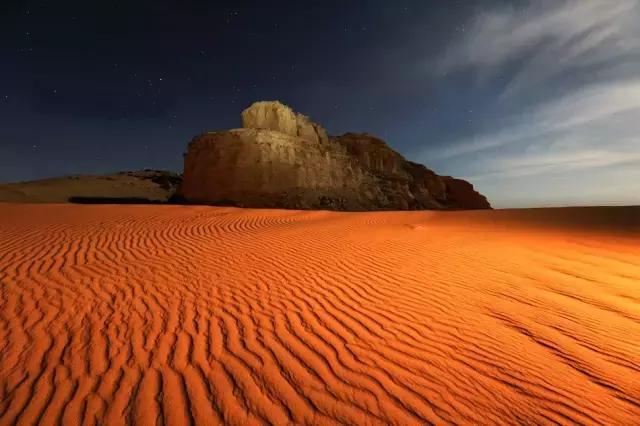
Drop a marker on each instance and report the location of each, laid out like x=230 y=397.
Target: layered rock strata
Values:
x=281 y=159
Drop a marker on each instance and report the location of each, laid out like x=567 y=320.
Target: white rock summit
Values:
x=273 y=115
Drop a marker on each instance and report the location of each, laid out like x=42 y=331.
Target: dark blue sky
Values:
x=538 y=103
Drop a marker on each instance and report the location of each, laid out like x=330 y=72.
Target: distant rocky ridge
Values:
x=282 y=159
x=144 y=186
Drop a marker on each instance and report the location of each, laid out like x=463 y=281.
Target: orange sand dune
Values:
x=178 y=315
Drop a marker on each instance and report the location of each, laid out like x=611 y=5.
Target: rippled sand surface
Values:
x=203 y=315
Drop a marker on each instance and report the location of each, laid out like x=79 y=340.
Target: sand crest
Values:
x=202 y=315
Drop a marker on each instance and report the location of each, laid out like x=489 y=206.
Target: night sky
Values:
x=537 y=103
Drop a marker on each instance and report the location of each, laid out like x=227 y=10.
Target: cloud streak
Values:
x=571 y=100
x=550 y=38
x=579 y=114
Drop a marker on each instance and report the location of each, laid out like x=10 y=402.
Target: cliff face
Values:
x=281 y=159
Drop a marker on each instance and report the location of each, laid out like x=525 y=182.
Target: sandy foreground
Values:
x=203 y=315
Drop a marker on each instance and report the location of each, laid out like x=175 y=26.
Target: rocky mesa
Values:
x=282 y=159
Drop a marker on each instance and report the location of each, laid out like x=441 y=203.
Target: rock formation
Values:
x=281 y=118
x=282 y=159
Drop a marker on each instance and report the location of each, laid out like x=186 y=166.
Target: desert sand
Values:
x=115 y=314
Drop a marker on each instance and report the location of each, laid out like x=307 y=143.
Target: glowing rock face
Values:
x=282 y=159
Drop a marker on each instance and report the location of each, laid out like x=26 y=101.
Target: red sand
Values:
x=178 y=315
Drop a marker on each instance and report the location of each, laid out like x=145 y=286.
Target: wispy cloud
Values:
x=556 y=162
x=571 y=100
x=580 y=113
x=550 y=37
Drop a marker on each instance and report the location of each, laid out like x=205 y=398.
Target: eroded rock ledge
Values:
x=281 y=159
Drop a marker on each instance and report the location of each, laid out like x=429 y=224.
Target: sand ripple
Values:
x=199 y=315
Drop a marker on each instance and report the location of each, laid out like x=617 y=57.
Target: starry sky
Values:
x=537 y=103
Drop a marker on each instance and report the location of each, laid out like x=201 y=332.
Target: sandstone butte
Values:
x=281 y=159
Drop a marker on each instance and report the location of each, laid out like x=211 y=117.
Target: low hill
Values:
x=139 y=186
